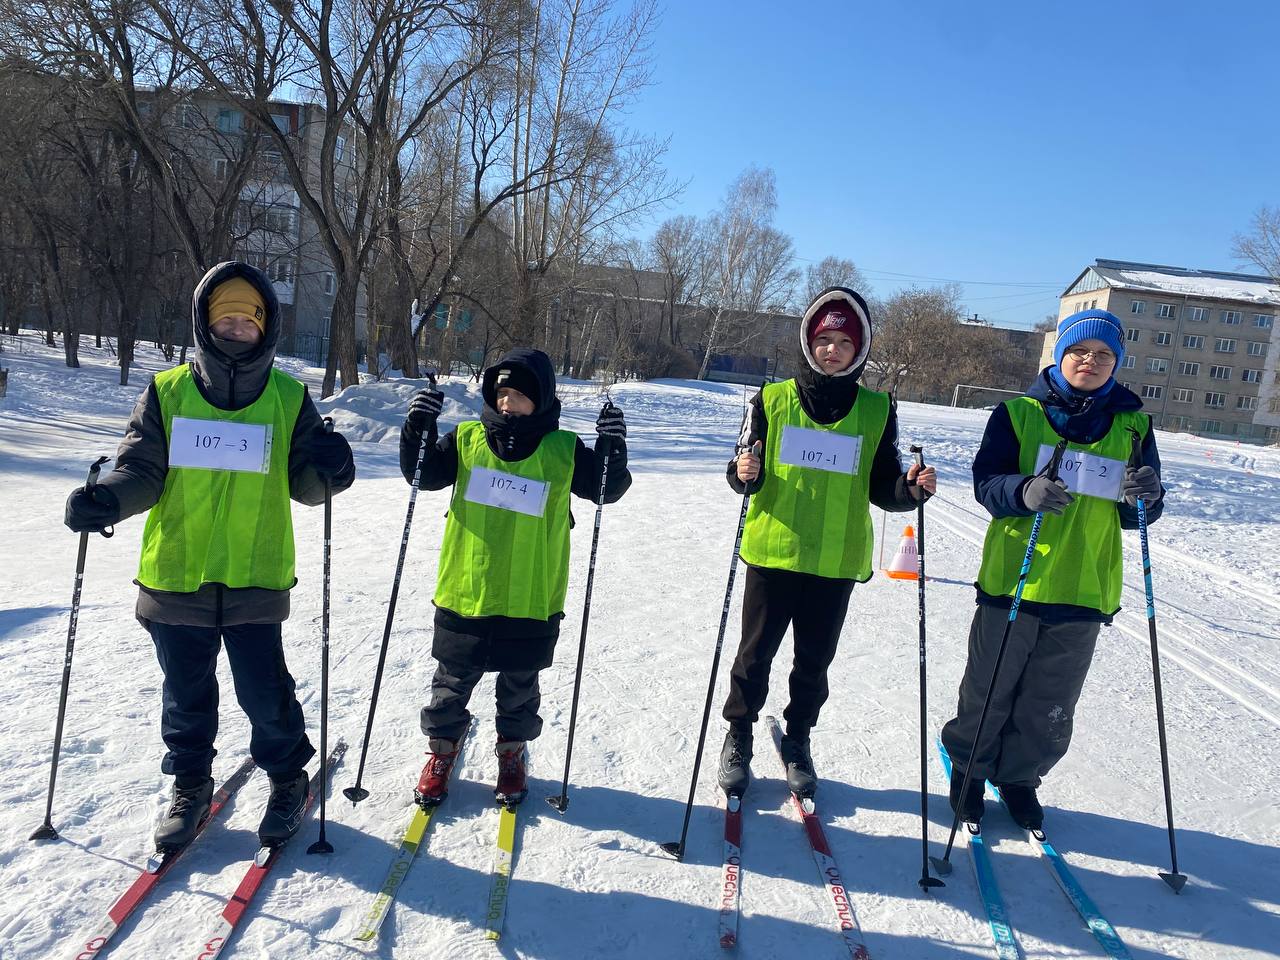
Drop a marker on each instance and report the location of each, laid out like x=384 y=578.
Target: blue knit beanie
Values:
x=1090 y=325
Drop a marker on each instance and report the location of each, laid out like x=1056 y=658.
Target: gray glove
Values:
x=424 y=409
x=1143 y=482
x=1046 y=496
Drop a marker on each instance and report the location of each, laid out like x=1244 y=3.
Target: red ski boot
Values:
x=433 y=785
x=512 y=786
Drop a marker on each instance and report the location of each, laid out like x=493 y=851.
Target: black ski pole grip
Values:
x=1135 y=450
x=91 y=482
x=1055 y=461
x=919 y=452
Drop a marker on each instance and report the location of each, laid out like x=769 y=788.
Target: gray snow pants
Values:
x=518 y=697
x=1028 y=727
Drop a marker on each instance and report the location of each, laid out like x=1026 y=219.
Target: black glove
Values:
x=424 y=409
x=92 y=510
x=1046 y=496
x=1142 y=482
x=330 y=454
x=611 y=423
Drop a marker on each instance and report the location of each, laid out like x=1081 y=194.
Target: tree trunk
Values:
x=712 y=335
x=341 y=361
x=126 y=330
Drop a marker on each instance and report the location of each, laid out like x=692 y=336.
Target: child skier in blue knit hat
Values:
x=1075 y=578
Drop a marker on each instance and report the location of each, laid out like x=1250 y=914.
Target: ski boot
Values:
x=192 y=797
x=285 y=807
x=433 y=784
x=801 y=779
x=1023 y=805
x=512 y=784
x=973 y=807
x=734 y=773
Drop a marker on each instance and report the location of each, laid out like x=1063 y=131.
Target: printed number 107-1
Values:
x=815 y=456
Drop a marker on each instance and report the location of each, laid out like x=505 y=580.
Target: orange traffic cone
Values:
x=905 y=564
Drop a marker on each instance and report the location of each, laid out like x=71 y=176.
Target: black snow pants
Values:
x=264 y=688
x=518 y=698
x=814 y=607
x=1028 y=726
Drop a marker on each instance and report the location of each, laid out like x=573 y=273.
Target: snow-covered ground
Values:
x=593 y=883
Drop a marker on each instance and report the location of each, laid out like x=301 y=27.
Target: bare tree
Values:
x=748 y=261
x=1261 y=245
x=677 y=249
x=832 y=271
x=913 y=338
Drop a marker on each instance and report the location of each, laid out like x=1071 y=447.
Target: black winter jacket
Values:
x=508 y=643
x=143 y=457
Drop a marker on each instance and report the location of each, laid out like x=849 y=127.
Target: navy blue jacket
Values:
x=998 y=480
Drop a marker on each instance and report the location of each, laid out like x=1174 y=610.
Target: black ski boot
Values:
x=191 y=799
x=801 y=779
x=285 y=806
x=972 y=808
x=1023 y=805
x=735 y=763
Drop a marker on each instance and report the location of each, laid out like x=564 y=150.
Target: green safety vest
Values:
x=223 y=526
x=811 y=520
x=1078 y=558
x=496 y=561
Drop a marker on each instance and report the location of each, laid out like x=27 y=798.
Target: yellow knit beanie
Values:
x=237 y=295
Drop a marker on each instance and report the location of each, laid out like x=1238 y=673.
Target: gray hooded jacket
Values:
x=231 y=383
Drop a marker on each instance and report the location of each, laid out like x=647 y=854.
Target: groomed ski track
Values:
x=658 y=588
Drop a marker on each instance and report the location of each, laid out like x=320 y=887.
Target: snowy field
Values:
x=593 y=883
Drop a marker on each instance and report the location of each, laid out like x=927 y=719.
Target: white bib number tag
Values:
x=820 y=450
x=220 y=445
x=506 y=491
x=1086 y=473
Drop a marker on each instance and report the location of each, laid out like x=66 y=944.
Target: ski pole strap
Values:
x=91 y=481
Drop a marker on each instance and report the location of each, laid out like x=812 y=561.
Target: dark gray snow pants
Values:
x=1028 y=727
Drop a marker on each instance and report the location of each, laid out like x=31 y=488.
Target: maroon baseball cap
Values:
x=835 y=316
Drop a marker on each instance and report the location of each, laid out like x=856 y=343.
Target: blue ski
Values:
x=997 y=916
x=1098 y=925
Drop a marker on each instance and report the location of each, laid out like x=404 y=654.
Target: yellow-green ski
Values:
x=501 y=877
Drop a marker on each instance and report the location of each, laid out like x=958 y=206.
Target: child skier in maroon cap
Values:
x=814 y=453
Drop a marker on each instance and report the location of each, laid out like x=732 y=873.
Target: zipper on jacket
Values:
x=233 y=386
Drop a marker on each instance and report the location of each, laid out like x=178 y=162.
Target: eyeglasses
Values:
x=1103 y=358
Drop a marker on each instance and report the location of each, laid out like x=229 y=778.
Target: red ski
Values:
x=93 y=944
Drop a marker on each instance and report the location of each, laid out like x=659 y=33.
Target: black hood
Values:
x=233 y=382
x=537 y=365
x=516 y=438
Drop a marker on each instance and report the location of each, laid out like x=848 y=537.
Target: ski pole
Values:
x=46 y=831
x=925 y=881
x=322 y=845
x=1173 y=878
x=561 y=803
x=357 y=793
x=943 y=864
x=677 y=849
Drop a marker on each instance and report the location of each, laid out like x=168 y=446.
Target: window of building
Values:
x=330 y=284
x=1166 y=311
x=1157 y=365
x=1273 y=433
x=1177 y=423
x=1246 y=403
x=1219 y=373
x=1137 y=306
x=280 y=220
x=1257 y=348
x=1093 y=304
x=1263 y=320
x=1192 y=343
x=281 y=271
x=1215 y=399
x=220 y=168
x=1231 y=317
x=1133 y=335
x=1210 y=426
x=1198 y=314
x=1126 y=384
x=230 y=121
x=1128 y=362
x=1163 y=338
x=189 y=116
x=1152 y=391
x=1186 y=369
x=1224 y=346
x=281 y=120
x=339 y=148
x=1183 y=395
x=1251 y=376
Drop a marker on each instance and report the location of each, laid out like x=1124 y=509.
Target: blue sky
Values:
x=1008 y=142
